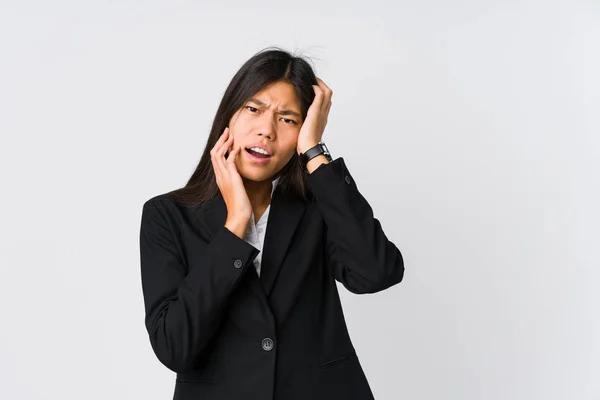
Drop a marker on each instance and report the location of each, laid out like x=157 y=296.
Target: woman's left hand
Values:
x=313 y=126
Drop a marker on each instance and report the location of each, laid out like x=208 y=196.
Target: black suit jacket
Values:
x=230 y=334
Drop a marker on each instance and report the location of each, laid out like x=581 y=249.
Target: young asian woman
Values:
x=239 y=267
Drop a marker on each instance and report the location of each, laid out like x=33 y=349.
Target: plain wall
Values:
x=471 y=127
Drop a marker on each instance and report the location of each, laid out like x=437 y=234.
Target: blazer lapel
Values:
x=284 y=217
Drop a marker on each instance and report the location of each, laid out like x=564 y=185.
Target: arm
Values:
x=359 y=253
x=184 y=304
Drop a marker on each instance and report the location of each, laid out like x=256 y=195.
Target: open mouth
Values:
x=257 y=154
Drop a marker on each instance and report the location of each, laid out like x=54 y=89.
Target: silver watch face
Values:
x=325 y=149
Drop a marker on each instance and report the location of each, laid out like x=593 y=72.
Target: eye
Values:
x=289 y=121
x=251 y=108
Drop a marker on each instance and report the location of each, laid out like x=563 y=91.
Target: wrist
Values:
x=315 y=162
x=305 y=147
x=312 y=157
x=237 y=225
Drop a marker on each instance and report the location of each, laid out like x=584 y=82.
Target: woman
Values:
x=239 y=267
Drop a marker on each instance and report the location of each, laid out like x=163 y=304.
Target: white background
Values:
x=471 y=127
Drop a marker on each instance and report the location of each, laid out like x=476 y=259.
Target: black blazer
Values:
x=230 y=334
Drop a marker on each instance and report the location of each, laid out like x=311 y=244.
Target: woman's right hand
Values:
x=239 y=208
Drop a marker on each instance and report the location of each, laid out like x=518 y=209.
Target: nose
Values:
x=267 y=126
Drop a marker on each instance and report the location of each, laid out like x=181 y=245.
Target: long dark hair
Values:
x=268 y=66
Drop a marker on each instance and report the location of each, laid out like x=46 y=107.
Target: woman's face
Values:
x=271 y=118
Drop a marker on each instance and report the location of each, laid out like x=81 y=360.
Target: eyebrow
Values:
x=282 y=112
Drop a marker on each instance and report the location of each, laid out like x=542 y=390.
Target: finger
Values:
x=224 y=136
x=220 y=154
x=226 y=147
x=327 y=94
x=217 y=154
x=223 y=147
x=318 y=100
x=321 y=104
x=324 y=86
x=230 y=162
x=221 y=139
x=229 y=157
x=217 y=170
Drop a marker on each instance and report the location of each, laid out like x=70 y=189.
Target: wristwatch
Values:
x=314 y=151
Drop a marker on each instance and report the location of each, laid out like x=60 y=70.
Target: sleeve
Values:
x=359 y=253
x=185 y=304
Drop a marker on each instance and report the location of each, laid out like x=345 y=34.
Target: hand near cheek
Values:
x=313 y=127
x=229 y=181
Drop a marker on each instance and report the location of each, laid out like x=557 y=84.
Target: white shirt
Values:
x=255 y=233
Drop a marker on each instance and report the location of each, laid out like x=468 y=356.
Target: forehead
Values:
x=280 y=94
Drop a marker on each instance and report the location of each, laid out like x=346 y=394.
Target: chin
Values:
x=256 y=176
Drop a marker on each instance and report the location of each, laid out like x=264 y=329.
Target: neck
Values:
x=259 y=193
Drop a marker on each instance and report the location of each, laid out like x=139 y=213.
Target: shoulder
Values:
x=166 y=205
x=161 y=200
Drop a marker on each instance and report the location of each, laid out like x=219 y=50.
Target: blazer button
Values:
x=347 y=179
x=267 y=344
x=238 y=263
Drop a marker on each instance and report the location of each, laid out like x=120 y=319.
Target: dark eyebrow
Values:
x=282 y=112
